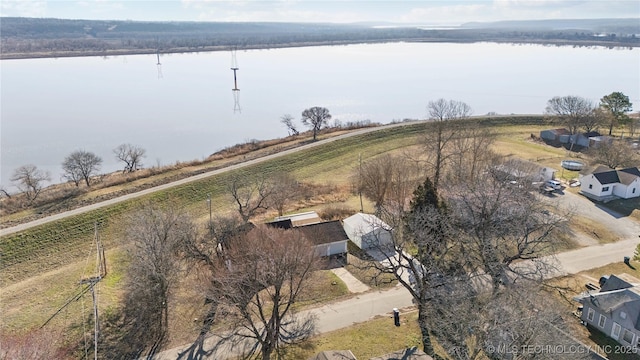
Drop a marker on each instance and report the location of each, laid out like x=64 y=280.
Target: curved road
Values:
x=113 y=201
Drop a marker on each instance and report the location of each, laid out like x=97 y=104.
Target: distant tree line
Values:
x=22 y=36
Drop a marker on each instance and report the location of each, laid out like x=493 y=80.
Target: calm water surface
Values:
x=51 y=107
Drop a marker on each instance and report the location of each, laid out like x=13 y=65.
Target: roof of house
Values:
x=614 y=282
x=334 y=355
x=609 y=177
x=324 y=233
x=606 y=175
x=309 y=217
x=619 y=294
x=595 y=169
x=281 y=224
x=406 y=354
x=632 y=170
x=365 y=223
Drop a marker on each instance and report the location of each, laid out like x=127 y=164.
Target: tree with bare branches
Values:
x=30 y=180
x=315 y=118
x=207 y=253
x=572 y=110
x=81 y=165
x=131 y=155
x=154 y=236
x=444 y=116
x=285 y=189
x=265 y=272
x=255 y=280
x=287 y=120
x=250 y=194
x=614 y=154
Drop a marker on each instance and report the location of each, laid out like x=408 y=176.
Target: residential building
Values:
x=614 y=309
x=328 y=238
x=602 y=182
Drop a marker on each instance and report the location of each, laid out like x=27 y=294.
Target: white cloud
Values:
x=23 y=8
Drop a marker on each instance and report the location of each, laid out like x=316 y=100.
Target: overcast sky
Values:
x=340 y=11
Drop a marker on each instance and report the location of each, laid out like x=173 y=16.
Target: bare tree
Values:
x=470 y=152
x=81 y=165
x=573 y=110
x=154 y=236
x=617 y=104
x=131 y=155
x=444 y=116
x=251 y=194
x=487 y=234
x=315 y=118
x=287 y=120
x=502 y=225
x=596 y=118
x=285 y=188
x=207 y=254
x=30 y=180
x=265 y=274
x=614 y=154
x=388 y=181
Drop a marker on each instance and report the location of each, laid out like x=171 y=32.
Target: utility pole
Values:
x=101 y=272
x=360 y=182
x=210 y=215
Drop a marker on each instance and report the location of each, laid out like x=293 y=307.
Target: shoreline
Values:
x=123 y=52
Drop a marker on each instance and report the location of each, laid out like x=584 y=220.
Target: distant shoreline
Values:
x=122 y=52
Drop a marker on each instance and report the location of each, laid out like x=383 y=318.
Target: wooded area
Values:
x=33 y=37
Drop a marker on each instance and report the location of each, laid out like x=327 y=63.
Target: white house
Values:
x=368 y=231
x=603 y=182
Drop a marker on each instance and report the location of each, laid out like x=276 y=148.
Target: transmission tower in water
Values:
x=159 y=65
x=235 y=90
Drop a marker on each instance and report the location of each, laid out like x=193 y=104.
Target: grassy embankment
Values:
x=41 y=266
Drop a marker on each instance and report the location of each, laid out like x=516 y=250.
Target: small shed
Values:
x=368 y=231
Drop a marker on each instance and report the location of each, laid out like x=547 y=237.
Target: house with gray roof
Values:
x=603 y=182
x=615 y=309
x=328 y=238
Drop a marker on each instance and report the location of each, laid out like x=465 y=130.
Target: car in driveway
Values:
x=555 y=184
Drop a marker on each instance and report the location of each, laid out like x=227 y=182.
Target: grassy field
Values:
x=41 y=266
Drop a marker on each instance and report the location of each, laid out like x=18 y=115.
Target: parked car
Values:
x=555 y=184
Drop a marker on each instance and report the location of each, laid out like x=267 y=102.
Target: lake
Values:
x=51 y=107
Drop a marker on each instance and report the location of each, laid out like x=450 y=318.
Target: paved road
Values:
x=110 y=202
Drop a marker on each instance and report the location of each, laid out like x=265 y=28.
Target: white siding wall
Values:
x=334 y=248
x=589 y=184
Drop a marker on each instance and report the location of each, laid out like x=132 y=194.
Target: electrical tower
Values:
x=159 y=65
x=235 y=90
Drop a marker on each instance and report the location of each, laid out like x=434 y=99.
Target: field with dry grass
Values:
x=41 y=266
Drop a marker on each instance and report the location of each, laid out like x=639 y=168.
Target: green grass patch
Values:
x=365 y=340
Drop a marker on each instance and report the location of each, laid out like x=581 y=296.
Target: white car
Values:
x=555 y=184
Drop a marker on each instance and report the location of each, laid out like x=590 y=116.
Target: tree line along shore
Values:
x=41 y=38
